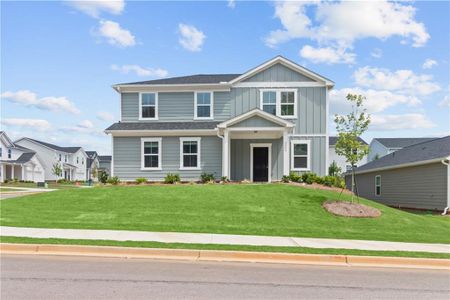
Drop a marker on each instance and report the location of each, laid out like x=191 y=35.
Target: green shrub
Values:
x=295 y=177
x=329 y=180
x=205 y=177
x=309 y=178
x=103 y=177
x=285 y=179
x=141 y=180
x=224 y=179
x=5 y=181
x=172 y=178
x=63 y=180
x=114 y=180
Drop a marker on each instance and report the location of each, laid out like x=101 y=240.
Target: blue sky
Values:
x=59 y=59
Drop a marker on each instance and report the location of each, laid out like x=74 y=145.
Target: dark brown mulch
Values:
x=348 y=209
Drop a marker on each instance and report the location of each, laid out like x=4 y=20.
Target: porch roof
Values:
x=256 y=113
x=23 y=159
x=69 y=166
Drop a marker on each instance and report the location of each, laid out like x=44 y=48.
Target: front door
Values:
x=261 y=164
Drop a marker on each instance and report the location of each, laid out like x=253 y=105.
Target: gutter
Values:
x=447 y=163
x=423 y=162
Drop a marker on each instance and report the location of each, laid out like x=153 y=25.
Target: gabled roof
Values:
x=401 y=142
x=161 y=126
x=191 y=79
x=333 y=139
x=91 y=154
x=6 y=138
x=54 y=147
x=24 y=158
x=255 y=112
x=429 y=151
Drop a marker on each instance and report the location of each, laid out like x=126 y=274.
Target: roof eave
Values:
x=399 y=166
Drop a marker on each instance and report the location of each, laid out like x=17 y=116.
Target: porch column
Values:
x=225 y=154
x=12 y=171
x=23 y=172
x=285 y=153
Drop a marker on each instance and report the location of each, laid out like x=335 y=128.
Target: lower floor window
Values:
x=300 y=155
x=189 y=153
x=151 y=153
x=378 y=185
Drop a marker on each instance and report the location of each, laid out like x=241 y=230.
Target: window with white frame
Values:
x=378 y=185
x=60 y=157
x=204 y=105
x=300 y=155
x=280 y=102
x=1 y=151
x=148 y=106
x=9 y=153
x=189 y=153
x=151 y=153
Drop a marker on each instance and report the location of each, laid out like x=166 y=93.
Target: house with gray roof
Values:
x=380 y=147
x=17 y=162
x=258 y=125
x=340 y=160
x=417 y=176
x=72 y=160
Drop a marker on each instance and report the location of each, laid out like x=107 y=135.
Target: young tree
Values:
x=57 y=170
x=334 y=169
x=350 y=128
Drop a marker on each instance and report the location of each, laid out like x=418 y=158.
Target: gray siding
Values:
x=240 y=158
x=318 y=154
x=130 y=107
x=222 y=106
x=413 y=187
x=256 y=122
x=277 y=72
x=127 y=159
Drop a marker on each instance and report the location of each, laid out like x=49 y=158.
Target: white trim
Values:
x=190 y=139
x=134 y=88
x=285 y=154
x=159 y=141
x=257 y=129
x=308 y=156
x=140 y=133
x=327 y=140
x=140 y=107
x=211 y=105
x=269 y=170
x=286 y=63
x=259 y=113
x=376 y=194
x=278 y=101
x=308 y=135
x=274 y=84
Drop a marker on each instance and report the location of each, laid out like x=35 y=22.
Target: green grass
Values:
x=21 y=240
x=34 y=185
x=266 y=209
x=2 y=190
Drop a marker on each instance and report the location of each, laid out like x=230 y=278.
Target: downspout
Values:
x=446 y=163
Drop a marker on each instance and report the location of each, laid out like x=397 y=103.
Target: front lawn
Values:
x=266 y=209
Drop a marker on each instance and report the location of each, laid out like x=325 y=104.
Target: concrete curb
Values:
x=226 y=256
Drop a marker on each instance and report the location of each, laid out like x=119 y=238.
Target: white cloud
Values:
x=46 y=103
x=429 y=63
x=93 y=8
x=34 y=124
x=115 y=34
x=376 y=101
x=445 y=102
x=105 y=116
x=84 y=127
x=190 y=38
x=140 y=71
x=405 y=81
x=231 y=3
x=377 y=53
x=85 y=124
x=399 y=122
x=328 y=55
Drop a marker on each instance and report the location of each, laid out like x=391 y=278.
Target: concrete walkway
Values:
x=223 y=239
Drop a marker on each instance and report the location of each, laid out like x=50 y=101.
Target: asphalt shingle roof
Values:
x=104 y=158
x=162 y=125
x=24 y=158
x=58 y=148
x=333 y=139
x=429 y=150
x=91 y=153
x=191 y=79
x=401 y=142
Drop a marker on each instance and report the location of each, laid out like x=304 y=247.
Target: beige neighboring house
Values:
x=17 y=162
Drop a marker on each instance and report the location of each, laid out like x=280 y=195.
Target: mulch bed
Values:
x=316 y=186
x=348 y=209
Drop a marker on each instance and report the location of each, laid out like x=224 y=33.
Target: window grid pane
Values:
x=300 y=149
x=148 y=99
x=203 y=111
x=190 y=161
x=287 y=109
x=269 y=97
x=203 y=98
x=151 y=161
x=287 y=97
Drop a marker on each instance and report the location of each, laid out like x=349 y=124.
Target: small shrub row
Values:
x=172 y=178
x=310 y=178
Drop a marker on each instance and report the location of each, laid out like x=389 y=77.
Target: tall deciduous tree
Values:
x=350 y=127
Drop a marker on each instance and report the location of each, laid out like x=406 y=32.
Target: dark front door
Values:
x=261 y=164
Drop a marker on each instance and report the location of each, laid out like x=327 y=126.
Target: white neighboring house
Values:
x=380 y=147
x=72 y=160
x=18 y=162
x=340 y=160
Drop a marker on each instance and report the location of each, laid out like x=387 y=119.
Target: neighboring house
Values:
x=417 y=176
x=71 y=159
x=339 y=159
x=18 y=162
x=92 y=165
x=380 y=147
x=105 y=163
x=259 y=125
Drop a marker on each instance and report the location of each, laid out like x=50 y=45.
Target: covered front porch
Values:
x=255 y=147
x=68 y=171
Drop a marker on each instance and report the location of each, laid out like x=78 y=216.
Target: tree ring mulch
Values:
x=348 y=209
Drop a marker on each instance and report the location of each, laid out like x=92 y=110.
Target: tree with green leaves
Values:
x=57 y=170
x=350 y=127
x=334 y=169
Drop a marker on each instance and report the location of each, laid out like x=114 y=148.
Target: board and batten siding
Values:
x=278 y=73
x=127 y=159
x=318 y=152
x=423 y=186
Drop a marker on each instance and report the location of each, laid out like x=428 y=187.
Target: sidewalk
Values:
x=224 y=239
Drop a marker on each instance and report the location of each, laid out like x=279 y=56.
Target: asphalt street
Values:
x=62 y=277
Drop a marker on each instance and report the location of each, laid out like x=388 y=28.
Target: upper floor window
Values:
x=1 y=152
x=148 y=106
x=204 y=108
x=280 y=102
x=65 y=158
x=189 y=153
x=378 y=185
x=82 y=160
x=78 y=159
x=9 y=153
x=151 y=153
x=300 y=155
x=60 y=157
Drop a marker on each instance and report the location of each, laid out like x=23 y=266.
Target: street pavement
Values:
x=57 y=277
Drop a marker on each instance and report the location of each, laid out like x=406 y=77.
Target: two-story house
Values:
x=72 y=160
x=259 y=125
x=17 y=162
